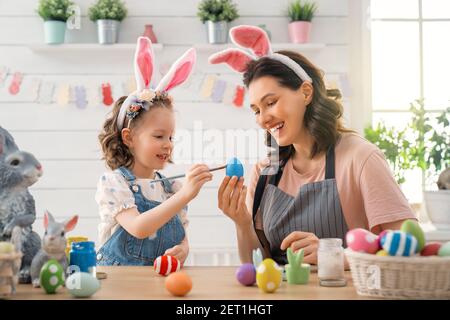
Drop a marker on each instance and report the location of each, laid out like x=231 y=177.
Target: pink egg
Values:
x=431 y=249
x=362 y=240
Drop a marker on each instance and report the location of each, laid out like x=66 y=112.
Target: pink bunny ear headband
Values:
x=257 y=41
x=144 y=96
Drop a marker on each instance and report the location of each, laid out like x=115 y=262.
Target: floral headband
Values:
x=144 y=97
x=255 y=39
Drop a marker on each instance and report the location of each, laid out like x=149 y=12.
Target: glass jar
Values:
x=83 y=257
x=330 y=260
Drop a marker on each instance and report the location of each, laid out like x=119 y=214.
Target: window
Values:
x=410 y=53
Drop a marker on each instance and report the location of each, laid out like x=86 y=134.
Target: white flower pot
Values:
x=437 y=204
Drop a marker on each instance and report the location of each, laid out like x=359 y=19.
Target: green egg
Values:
x=413 y=228
x=444 y=251
x=51 y=276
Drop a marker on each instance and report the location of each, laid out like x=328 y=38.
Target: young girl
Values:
x=141 y=219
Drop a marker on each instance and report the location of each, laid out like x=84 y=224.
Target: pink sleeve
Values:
x=383 y=199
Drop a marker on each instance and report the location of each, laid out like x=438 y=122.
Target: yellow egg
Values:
x=382 y=253
x=268 y=276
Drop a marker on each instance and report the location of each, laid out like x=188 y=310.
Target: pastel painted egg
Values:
x=399 y=243
x=51 y=276
x=234 y=168
x=82 y=284
x=6 y=247
x=268 y=276
x=246 y=274
x=362 y=240
x=444 y=251
x=382 y=253
x=165 y=265
x=179 y=284
x=431 y=249
x=413 y=228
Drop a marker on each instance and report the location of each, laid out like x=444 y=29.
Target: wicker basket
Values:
x=9 y=271
x=400 y=277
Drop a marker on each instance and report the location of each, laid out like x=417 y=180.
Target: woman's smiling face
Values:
x=279 y=110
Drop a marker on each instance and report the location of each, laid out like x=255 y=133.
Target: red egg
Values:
x=431 y=249
x=362 y=240
x=165 y=265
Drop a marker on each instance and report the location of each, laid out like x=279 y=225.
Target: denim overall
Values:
x=124 y=249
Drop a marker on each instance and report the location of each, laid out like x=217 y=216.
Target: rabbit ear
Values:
x=143 y=63
x=253 y=38
x=48 y=218
x=179 y=72
x=70 y=224
x=237 y=59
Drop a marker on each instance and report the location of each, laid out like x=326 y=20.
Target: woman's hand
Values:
x=180 y=251
x=302 y=240
x=231 y=199
x=196 y=177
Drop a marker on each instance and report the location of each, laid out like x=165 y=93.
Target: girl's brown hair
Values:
x=323 y=116
x=115 y=152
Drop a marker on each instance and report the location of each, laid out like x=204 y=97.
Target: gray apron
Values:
x=316 y=208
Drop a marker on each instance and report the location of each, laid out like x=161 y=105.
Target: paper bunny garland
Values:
x=144 y=64
x=255 y=39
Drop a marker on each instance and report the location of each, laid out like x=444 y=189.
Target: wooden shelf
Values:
x=88 y=47
x=275 y=47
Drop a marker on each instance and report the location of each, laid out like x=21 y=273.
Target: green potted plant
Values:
x=423 y=144
x=108 y=14
x=301 y=14
x=217 y=14
x=55 y=14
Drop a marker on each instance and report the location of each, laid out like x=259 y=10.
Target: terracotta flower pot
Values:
x=299 y=31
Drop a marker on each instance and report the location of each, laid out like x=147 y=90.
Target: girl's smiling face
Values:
x=151 y=142
x=278 y=109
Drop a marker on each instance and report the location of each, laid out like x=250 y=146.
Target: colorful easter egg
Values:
x=179 y=284
x=362 y=240
x=234 y=168
x=444 y=251
x=399 y=243
x=380 y=236
x=413 y=228
x=268 y=276
x=382 y=253
x=82 y=284
x=246 y=274
x=51 y=276
x=431 y=249
x=6 y=247
x=165 y=265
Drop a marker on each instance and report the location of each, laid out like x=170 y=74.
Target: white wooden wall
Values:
x=64 y=139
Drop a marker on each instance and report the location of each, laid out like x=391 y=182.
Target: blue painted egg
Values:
x=234 y=168
x=399 y=243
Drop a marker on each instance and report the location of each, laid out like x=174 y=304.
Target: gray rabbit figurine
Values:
x=53 y=245
x=18 y=171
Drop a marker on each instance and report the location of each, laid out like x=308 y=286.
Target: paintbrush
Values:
x=184 y=175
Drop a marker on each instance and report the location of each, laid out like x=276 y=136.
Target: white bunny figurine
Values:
x=53 y=245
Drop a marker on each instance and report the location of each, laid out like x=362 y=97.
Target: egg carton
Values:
x=9 y=270
x=400 y=277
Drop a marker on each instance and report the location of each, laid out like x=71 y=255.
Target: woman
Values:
x=327 y=179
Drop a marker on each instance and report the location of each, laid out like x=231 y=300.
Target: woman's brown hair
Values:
x=323 y=116
x=115 y=152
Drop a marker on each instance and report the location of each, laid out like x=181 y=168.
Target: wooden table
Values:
x=209 y=283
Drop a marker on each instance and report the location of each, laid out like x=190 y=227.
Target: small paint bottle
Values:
x=83 y=257
x=330 y=260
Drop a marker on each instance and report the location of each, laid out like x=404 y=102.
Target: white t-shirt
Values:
x=114 y=195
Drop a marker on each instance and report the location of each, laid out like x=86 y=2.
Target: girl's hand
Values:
x=302 y=240
x=180 y=251
x=196 y=177
x=231 y=199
